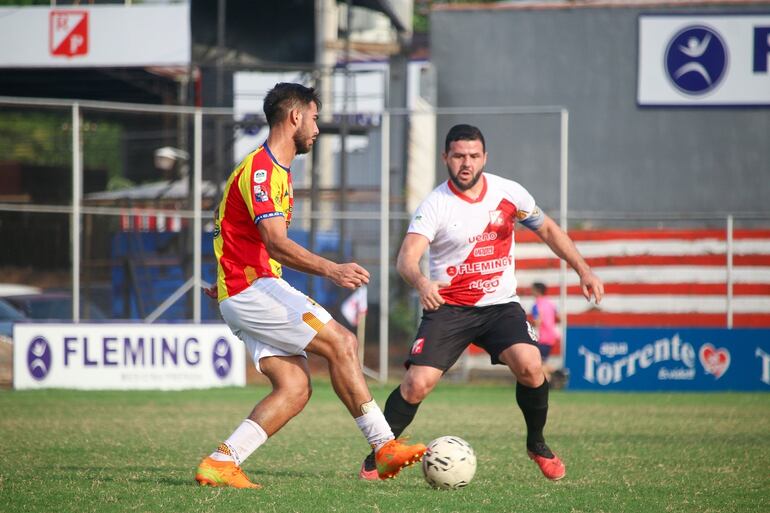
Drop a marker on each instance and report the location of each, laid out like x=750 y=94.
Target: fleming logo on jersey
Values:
x=417 y=346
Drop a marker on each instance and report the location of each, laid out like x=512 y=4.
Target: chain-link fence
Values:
x=108 y=206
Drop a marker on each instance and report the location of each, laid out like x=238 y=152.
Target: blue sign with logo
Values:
x=696 y=60
x=126 y=356
x=668 y=359
x=39 y=358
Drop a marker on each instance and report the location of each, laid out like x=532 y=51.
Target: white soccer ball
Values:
x=449 y=463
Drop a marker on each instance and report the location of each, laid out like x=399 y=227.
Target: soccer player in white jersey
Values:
x=470 y=296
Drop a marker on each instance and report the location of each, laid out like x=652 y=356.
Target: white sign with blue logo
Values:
x=704 y=60
x=668 y=359
x=126 y=356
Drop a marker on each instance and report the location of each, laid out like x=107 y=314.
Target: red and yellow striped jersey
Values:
x=257 y=189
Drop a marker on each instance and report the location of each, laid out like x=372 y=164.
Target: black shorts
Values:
x=445 y=333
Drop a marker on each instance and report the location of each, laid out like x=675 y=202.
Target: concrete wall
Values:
x=623 y=158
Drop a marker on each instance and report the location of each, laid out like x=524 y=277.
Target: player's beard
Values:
x=464 y=186
x=302 y=144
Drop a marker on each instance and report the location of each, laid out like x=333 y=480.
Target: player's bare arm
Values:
x=564 y=248
x=408 y=266
x=287 y=252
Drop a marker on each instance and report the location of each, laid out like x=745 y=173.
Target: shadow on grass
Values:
x=137 y=474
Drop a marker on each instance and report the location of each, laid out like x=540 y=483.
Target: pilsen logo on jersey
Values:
x=417 y=346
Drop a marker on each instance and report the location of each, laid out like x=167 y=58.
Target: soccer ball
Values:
x=449 y=463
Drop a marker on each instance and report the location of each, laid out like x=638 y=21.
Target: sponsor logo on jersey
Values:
x=715 y=361
x=260 y=175
x=483 y=251
x=417 y=346
x=496 y=218
x=482 y=237
x=486 y=266
x=487 y=286
x=523 y=214
x=451 y=271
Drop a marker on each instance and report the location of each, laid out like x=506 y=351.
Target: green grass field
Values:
x=137 y=451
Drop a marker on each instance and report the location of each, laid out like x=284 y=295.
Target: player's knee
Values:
x=296 y=396
x=346 y=346
x=530 y=374
x=416 y=389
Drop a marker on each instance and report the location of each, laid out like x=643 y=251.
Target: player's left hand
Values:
x=591 y=285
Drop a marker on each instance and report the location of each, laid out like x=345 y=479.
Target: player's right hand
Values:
x=211 y=291
x=349 y=276
x=430 y=298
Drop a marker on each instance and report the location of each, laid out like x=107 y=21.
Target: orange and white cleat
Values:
x=222 y=473
x=396 y=455
x=550 y=464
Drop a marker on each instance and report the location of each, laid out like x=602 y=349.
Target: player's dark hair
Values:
x=286 y=96
x=464 y=133
x=540 y=287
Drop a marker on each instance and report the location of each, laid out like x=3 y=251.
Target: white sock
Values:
x=374 y=426
x=244 y=441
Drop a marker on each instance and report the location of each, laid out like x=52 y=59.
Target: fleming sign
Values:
x=702 y=60
x=668 y=359
x=126 y=356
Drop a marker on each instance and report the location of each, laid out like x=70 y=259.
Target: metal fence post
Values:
x=197 y=224
x=563 y=220
x=77 y=194
x=384 y=244
x=729 y=271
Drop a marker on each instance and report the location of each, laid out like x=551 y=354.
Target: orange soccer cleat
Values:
x=550 y=464
x=396 y=455
x=222 y=473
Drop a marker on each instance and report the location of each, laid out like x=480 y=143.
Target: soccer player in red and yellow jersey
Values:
x=278 y=323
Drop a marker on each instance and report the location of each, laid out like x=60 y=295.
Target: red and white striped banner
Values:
x=140 y=221
x=667 y=277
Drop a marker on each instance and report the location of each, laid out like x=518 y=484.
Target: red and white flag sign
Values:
x=68 y=33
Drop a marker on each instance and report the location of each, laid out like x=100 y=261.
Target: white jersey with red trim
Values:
x=472 y=241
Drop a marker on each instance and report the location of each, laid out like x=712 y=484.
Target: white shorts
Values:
x=273 y=319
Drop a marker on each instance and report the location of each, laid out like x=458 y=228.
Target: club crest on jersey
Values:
x=259 y=195
x=496 y=218
x=417 y=346
x=260 y=175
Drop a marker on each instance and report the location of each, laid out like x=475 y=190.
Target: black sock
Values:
x=534 y=405
x=399 y=415
x=398 y=412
